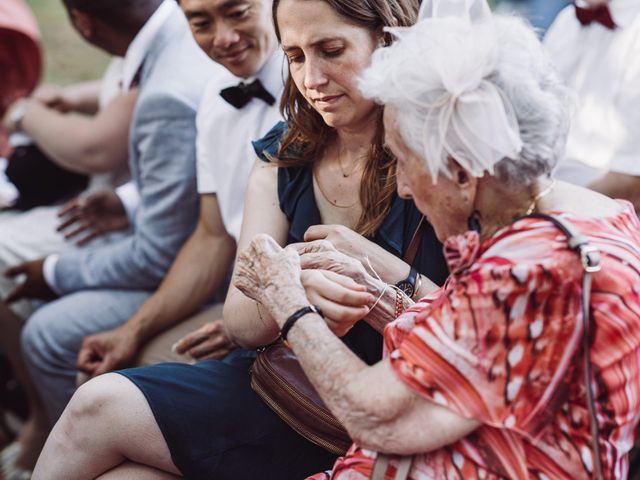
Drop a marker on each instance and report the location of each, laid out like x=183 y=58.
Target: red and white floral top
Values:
x=500 y=343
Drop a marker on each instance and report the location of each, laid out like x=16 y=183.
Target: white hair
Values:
x=483 y=93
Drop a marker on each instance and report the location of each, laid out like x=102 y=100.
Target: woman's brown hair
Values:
x=308 y=135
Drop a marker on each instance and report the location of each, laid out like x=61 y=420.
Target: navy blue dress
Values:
x=215 y=425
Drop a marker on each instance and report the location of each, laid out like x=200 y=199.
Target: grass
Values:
x=68 y=58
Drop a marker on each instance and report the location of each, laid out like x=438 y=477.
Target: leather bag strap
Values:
x=590 y=259
x=412 y=249
x=381 y=466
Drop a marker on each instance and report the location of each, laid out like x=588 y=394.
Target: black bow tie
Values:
x=242 y=94
x=600 y=14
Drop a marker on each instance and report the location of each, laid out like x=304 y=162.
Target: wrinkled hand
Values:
x=270 y=275
x=208 y=342
x=344 y=240
x=86 y=218
x=34 y=285
x=323 y=255
x=107 y=351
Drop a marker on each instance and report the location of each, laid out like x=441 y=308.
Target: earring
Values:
x=473 y=222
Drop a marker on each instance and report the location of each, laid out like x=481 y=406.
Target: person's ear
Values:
x=82 y=22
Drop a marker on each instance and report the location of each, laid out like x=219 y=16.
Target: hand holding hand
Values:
x=92 y=216
x=342 y=300
x=208 y=342
x=344 y=240
x=107 y=351
x=34 y=285
x=270 y=275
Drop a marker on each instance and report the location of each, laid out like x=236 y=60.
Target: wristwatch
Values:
x=17 y=114
x=408 y=285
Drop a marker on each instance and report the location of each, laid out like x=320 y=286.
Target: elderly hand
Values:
x=34 y=285
x=208 y=342
x=323 y=255
x=270 y=275
x=92 y=216
x=345 y=240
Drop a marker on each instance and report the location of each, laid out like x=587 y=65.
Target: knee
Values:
x=91 y=403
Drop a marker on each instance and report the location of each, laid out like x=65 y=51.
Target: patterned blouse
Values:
x=500 y=343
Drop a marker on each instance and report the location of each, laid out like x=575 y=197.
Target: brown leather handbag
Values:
x=278 y=379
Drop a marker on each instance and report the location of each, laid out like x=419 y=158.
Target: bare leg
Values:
x=36 y=429
x=108 y=422
x=135 y=471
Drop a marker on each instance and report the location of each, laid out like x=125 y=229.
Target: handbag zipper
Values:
x=300 y=398
x=297 y=426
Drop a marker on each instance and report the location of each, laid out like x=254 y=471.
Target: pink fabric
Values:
x=20 y=55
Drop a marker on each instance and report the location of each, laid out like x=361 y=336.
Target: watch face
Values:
x=406 y=287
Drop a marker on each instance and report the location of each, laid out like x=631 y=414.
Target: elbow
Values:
x=99 y=159
x=382 y=438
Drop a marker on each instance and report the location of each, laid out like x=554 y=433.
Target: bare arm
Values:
x=98 y=143
x=619 y=185
x=80 y=97
x=390 y=268
x=198 y=271
x=262 y=214
x=376 y=408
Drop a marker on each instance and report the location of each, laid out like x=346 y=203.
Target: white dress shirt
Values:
x=603 y=67
x=225 y=154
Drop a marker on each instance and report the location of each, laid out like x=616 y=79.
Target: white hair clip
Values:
x=438 y=75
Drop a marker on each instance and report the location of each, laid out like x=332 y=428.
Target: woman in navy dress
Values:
x=324 y=175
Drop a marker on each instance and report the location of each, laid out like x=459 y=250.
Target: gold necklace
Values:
x=317 y=182
x=344 y=174
x=543 y=193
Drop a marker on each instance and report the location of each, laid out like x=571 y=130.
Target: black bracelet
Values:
x=295 y=316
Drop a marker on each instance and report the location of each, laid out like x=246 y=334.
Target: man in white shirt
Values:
x=595 y=46
x=240 y=37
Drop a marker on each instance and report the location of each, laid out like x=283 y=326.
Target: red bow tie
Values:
x=600 y=14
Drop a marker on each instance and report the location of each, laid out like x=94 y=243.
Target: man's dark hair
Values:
x=125 y=15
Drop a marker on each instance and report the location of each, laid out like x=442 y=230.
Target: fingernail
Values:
x=174 y=347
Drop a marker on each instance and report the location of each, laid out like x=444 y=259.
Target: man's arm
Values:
x=197 y=273
x=98 y=143
x=82 y=97
x=164 y=169
x=619 y=185
x=199 y=270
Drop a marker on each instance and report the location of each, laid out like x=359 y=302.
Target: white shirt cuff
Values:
x=130 y=198
x=49 y=272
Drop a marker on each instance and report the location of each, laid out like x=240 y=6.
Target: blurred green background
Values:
x=68 y=58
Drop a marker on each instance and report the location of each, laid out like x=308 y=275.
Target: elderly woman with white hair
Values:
x=502 y=372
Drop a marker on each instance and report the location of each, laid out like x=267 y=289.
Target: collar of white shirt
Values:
x=139 y=47
x=623 y=12
x=271 y=75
